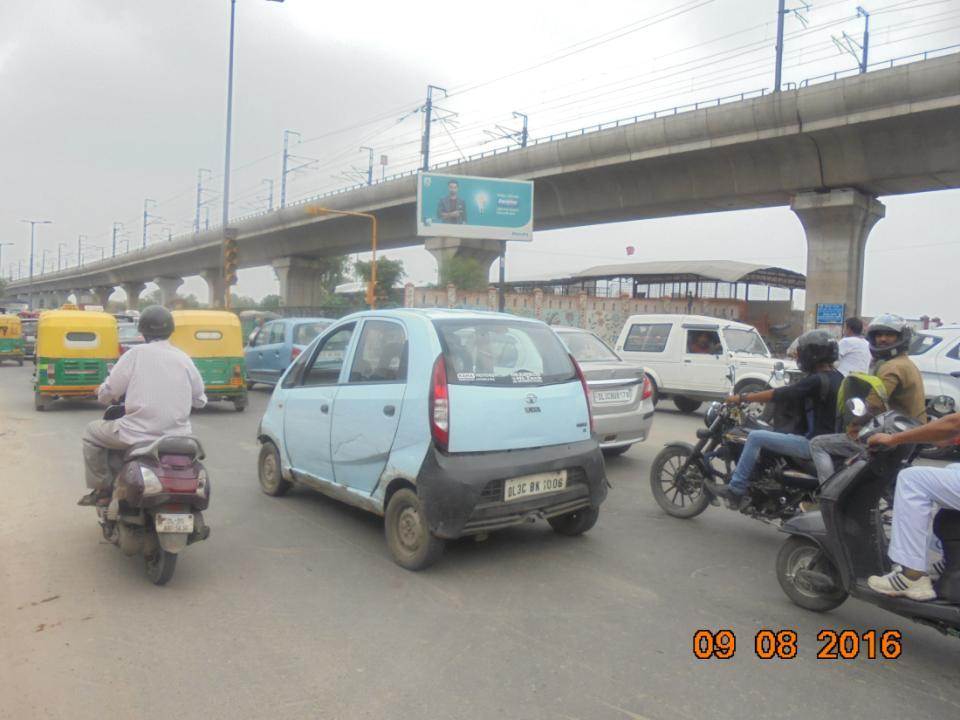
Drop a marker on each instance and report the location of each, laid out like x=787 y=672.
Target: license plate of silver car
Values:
x=170 y=523
x=536 y=484
x=608 y=397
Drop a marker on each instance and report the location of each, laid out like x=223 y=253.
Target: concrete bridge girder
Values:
x=837 y=224
x=299 y=280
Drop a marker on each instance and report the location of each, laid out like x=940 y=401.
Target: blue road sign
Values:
x=830 y=313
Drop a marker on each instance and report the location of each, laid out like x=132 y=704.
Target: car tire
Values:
x=409 y=540
x=575 y=523
x=616 y=451
x=40 y=403
x=686 y=405
x=270 y=471
x=240 y=405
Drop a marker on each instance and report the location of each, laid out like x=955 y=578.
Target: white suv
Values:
x=936 y=352
x=689 y=357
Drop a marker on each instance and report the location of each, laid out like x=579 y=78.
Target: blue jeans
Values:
x=793 y=445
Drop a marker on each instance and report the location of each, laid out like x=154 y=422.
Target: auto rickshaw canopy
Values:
x=207 y=333
x=10 y=326
x=77 y=334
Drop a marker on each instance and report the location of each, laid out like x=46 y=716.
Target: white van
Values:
x=689 y=357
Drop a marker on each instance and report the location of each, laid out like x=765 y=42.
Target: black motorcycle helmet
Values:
x=156 y=323
x=816 y=347
x=889 y=323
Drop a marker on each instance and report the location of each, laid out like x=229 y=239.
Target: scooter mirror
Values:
x=943 y=405
x=857 y=407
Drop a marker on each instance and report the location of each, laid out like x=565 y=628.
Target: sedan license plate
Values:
x=166 y=523
x=601 y=397
x=537 y=484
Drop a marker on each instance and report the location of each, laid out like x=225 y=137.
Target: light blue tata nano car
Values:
x=447 y=423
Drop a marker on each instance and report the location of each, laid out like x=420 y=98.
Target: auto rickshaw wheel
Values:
x=240 y=404
x=40 y=403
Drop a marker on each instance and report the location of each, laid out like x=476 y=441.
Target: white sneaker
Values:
x=896 y=584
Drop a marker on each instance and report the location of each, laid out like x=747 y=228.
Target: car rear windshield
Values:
x=305 y=332
x=501 y=352
x=587 y=347
x=128 y=332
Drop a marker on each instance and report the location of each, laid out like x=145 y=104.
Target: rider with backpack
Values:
x=811 y=402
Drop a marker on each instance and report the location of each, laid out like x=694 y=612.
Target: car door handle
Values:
x=389 y=410
x=324 y=409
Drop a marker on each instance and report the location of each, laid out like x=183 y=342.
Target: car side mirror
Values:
x=857 y=408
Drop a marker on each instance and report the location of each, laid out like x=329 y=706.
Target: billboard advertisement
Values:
x=474 y=207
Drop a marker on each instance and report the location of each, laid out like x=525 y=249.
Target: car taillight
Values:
x=236 y=371
x=586 y=390
x=440 y=404
x=294 y=352
x=647 y=387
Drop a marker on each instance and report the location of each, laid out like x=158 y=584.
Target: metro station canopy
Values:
x=668 y=278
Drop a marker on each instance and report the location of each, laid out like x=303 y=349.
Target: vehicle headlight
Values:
x=151 y=483
x=713 y=411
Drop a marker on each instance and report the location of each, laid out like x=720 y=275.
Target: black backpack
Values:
x=797 y=418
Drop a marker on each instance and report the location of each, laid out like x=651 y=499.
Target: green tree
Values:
x=332 y=272
x=466 y=273
x=243 y=302
x=270 y=302
x=389 y=272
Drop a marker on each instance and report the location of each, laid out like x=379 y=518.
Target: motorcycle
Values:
x=682 y=474
x=939 y=407
x=831 y=552
x=159 y=491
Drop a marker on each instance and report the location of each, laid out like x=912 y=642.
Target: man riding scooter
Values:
x=889 y=337
x=160 y=384
x=920 y=491
x=814 y=396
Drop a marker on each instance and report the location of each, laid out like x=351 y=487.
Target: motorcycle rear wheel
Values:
x=798 y=553
x=678 y=496
x=160 y=566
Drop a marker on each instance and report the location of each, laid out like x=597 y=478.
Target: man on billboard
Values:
x=452 y=209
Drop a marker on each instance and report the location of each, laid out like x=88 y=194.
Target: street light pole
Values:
x=226 y=154
x=80 y=239
x=1 y=257
x=60 y=247
x=372 y=286
x=33 y=224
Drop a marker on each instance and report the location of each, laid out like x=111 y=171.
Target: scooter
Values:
x=831 y=553
x=158 y=495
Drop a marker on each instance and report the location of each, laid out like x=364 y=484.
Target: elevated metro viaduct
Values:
x=827 y=151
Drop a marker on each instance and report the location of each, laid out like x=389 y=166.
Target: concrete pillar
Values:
x=83 y=296
x=837 y=224
x=133 y=291
x=445 y=249
x=168 y=289
x=103 y=294
x=300 y=284
x=216 y=287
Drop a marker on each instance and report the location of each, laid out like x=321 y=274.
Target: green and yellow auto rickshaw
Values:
x=11 y=339
x=213 y=339
x=75 y=351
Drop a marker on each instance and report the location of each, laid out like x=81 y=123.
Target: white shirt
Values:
x=854 y=356
x=161 y=385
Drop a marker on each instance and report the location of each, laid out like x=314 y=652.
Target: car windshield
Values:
x=921 y=343
x=503 y=352
x=587 y=347
x=305 y=332
x=745 y=341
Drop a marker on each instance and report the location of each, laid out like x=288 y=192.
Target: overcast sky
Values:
x=104 y=103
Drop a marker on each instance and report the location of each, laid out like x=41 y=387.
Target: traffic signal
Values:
x=230 y=258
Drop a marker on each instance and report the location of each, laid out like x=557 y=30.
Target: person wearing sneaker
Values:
x=920 y=492
x=815 y=395
x=161 y=385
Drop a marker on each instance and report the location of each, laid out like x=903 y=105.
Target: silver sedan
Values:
x=621 y=396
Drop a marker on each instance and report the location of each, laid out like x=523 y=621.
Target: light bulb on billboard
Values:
x=481 y=199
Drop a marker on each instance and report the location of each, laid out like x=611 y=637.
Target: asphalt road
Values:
x=293 y=609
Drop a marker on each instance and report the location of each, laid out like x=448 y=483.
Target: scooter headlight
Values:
x=151 y=483
x=713 y=410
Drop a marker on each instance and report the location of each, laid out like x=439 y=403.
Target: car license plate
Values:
x=167 y=523
x=537 y=484
x=612 y=396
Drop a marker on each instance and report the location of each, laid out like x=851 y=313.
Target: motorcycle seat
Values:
x=801 y=479
x=167 y=445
